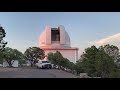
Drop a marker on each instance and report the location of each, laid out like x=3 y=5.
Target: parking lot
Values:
x=28 y=72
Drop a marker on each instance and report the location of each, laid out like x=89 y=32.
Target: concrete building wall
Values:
x=70 y=54
x=62 y=35
x=48 y=35
x=15 y=63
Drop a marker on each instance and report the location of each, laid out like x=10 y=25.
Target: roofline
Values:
x=60 y=48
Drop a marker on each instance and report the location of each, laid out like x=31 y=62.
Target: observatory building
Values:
x=57 y=39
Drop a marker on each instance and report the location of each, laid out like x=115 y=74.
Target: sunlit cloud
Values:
x=113 y=40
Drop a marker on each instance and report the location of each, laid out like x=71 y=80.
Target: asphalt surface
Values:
x=33 y=73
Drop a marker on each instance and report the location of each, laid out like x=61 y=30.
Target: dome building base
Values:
x=69 y=53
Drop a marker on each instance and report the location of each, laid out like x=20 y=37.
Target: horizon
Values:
x=84 y=28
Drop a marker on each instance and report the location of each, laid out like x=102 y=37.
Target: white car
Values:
x=44 y=64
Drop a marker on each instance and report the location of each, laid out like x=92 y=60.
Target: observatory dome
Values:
x=54 y=38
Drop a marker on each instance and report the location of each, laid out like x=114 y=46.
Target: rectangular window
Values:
x=55 y=34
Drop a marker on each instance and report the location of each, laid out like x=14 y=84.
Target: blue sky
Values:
x=85 y=28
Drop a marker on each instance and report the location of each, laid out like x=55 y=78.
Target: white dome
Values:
x=45 y=39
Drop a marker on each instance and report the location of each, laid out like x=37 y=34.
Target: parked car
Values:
x=44 y=64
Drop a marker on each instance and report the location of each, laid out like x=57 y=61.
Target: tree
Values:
x=79 y=67
x=9 y=55
x=1 y=57
x=96 y=62
x=104 y=64
x=19 y=56
x=51 y=57
x=65 y=63
x=33 y=54
x=111 y=50
x=71 y=66
x=58 y=59
x=2 y=35
x=89 y=60
x=90 y=53
x=115 y=74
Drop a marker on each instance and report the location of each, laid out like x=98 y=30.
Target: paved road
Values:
x=33 y=73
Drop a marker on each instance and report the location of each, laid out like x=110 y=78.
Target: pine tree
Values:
x=2 y=35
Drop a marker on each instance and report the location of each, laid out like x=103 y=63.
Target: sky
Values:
x=84 y=28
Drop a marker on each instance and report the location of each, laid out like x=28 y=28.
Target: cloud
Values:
x=114 y=40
